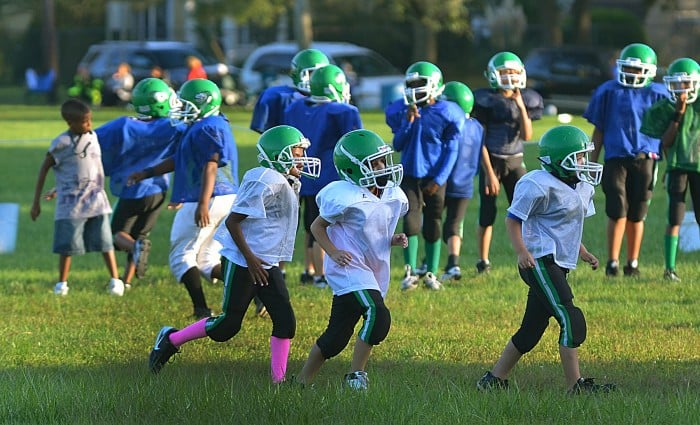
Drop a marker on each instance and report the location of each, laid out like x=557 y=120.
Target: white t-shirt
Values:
x=552 y=214
x=272 y=207
x=363 y=225
x=80 y=178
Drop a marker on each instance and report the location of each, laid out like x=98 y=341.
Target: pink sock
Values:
x=279 y=352
x=194 y=331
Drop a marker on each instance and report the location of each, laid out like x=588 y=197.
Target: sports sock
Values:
x=194 y=331
x=193 y=282
x=410 y=253
x=452 y=260
x=279 y=353
x=432 y=255
x=670 y=249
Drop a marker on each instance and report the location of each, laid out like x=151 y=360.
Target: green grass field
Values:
x=82 y=359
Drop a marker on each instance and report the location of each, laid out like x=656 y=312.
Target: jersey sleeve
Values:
x=656 y=119
x=250 y=200
x=528 y=199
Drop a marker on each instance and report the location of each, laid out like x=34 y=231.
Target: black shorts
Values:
x=628 y=184
x=137 y=216
x=677 y=184
x=310 y=211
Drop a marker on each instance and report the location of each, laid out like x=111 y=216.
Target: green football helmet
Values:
x=199 y=98
x=353 y=156
x=422 y=82
x=460 y=94
x=275 y=151
x=683 y=76
x=328 y=84
x=304 y=64
x=559 y=151
x=506 y=71
x=153 y=98
x=636 y=66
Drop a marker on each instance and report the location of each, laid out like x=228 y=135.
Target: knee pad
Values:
x=637 y=211
x=525 y=339
x=577 y=328
x=380 y=327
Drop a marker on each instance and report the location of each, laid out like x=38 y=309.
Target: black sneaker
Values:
x=671 y=275
x=142 y=248
x=483 y=266
x=163 y=350
x=306 y=278
x=631 y=271
x=202 y=313
x=588 y=386
x=612 y=269
x=489 y=382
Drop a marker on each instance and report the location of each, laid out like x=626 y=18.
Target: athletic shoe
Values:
x=320 y=282
x=260 y=309
x=61 y=289
x=357 y=380
x=306 y=277
x=587 y=385
x=671 y=276
x=630 y=271
x=163 y=350
x=421 y=270
x=611 y=268
x=142 y=248
x=410 y=280
x=202 y=313
x=483 y=266
x=489 y=382
x=432 y=282
x=116 y=287
x=453 y=273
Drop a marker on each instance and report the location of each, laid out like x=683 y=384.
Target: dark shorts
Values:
x=310 y=211
x=508 y=171
x=76 y=236
x=677 y=184
x=454 y=219
x=628 y=184
x=137 y=216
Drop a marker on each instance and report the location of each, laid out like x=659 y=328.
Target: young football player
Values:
x=267 y=199
x=357 y=218
x=427 y=133
x=324 y=117
x=631 y=157
x=130 y=144
x=506 y=110
x=676 y=122
x=269 y=108
x=204 y=187
x=460 y=184
x=545 y=226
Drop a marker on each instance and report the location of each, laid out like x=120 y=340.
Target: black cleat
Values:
x=489 y=382
x=163 y=350
x=588 y=386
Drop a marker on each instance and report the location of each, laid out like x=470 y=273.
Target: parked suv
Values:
x=373 y=80
x=101 y=60
x=568 y=75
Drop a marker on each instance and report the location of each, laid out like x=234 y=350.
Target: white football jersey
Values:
x=363 y=225
x=552 y=214
x=272 y=206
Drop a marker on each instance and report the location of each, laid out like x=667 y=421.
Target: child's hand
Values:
x=412 y=113
x=135 y=178
x=50 y=194
x=342 y=258
x=257 y=272
x=526 y=260
x=174 y=205
x=399 y=239
x=590 y=259
x=36 y=210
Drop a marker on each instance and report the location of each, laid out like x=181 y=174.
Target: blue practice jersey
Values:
x=323 y=124
x=203 y=139
x=269 y=109
x=130 y=145
x=500 y=117
x=429 y=145
x=460 y=184
x=617 y=111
